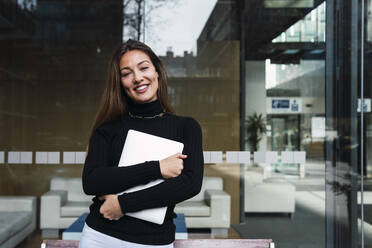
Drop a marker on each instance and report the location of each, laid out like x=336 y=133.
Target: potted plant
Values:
x=256 y=128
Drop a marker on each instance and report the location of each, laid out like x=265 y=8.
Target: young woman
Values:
x=136 y=98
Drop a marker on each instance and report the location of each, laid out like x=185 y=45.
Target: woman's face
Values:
x=139 y=77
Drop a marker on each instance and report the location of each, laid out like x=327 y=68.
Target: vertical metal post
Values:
x=341 y=122
x=241 y=22
x=362 y=122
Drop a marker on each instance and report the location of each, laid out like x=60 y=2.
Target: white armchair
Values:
x=62 y=205
x=209 y=209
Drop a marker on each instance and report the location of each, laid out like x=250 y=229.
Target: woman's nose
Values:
x=138 y=77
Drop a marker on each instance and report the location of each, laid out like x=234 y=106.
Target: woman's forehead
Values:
x=133 y=58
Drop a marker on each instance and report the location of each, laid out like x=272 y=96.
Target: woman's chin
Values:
x=143 y=100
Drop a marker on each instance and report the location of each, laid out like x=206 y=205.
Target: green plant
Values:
x=256 y=128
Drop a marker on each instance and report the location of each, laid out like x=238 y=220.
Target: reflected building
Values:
x=54 y=61
x=53 y=66
x=200 y=91
x=179 y=66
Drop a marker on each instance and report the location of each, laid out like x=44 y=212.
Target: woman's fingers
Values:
x=111 y=217
x=110 y=209
x=172 y=166
x=182 y=156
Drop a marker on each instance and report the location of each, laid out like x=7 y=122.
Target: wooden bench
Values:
x=182 y=243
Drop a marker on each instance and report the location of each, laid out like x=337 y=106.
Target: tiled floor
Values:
x=307 y=226
x=305 y=229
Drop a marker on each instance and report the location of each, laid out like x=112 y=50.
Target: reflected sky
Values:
x=178 y=28
x=174 y=26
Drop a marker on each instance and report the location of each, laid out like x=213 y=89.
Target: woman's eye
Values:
x=144 y=68
x=125 y=74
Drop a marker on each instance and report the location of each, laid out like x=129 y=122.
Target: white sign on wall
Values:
x=285 y=105
x=366 y=105
x=318 y=127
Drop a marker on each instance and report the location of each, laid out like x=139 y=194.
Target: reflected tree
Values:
x=256 y=128
x=137 y=15
x=29 y=5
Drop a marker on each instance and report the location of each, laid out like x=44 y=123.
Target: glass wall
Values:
x=277 y=107
x=292 y=100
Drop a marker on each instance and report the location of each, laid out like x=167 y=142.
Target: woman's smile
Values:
x=141 y=88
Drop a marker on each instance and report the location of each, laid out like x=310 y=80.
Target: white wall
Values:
x=255 y=92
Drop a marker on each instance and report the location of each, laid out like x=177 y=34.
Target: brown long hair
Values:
x=115 y=101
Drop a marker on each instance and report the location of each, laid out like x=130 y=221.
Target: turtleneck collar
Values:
x=145 y=109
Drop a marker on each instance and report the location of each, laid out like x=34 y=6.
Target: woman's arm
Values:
x=176 y=189
x=99 y=178
x=170 y=167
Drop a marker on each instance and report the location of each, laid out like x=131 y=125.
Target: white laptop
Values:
x=140 y=147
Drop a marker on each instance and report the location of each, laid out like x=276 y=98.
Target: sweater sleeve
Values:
x=101 y=178
x=173 y=190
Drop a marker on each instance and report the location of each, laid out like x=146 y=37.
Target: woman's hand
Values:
x=110 y=208
x=172 y=166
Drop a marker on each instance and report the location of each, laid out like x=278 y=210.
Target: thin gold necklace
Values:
x=146 y=117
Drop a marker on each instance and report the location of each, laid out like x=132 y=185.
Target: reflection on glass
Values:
x=309 y=29
x=226 y=61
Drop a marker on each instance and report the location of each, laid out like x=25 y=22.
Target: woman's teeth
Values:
x=142 y=87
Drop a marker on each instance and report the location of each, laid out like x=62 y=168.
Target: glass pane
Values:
x=293 y=85
x=278 y=128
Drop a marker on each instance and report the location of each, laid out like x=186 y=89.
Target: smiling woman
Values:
x=136 y=98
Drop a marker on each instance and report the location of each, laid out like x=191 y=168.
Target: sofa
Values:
x=66 y=201
x=17 y=219
x=270 y=195
x=209 y=209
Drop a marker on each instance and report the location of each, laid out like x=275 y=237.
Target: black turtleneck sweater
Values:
x=102 y=176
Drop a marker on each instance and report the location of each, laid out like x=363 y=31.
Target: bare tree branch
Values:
x=134 y=15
